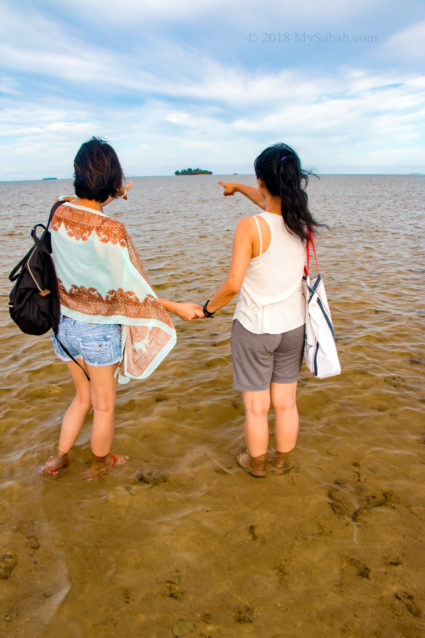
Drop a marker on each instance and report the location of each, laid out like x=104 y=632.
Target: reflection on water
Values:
x=182 y=542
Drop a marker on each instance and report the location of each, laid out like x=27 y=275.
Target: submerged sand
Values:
x=181 y=542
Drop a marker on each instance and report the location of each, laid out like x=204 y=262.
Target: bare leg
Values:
x=257 y=406
x=283 y=396
x=77 y=411
x=103 y=391
x=72 y=421
x=256 y=432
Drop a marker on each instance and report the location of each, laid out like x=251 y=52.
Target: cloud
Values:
x=407 y=44
x=134 y=13
x=327 y=123
x=167 y=96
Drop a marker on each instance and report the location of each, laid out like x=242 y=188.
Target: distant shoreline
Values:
x=193 y=171
x=218 y=175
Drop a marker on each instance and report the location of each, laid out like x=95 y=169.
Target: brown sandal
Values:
x=100 y=466
x=277 y=460
x=254 y=465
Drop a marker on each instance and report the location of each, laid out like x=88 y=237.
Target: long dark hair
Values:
x=280 y=169
x=97 y=171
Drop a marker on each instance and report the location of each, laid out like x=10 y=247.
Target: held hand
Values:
x=229 y=188
x=189 y=311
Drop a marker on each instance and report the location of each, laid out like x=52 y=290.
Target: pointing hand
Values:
x=229 y=188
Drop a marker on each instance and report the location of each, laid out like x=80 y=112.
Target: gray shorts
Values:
x=260 y=359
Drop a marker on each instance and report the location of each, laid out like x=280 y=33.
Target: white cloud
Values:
x=139 y=12
x=164 y=103
x=406 y=44
x=8 y=86
x=371 y=116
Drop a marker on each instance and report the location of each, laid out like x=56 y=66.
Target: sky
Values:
x=210 y=83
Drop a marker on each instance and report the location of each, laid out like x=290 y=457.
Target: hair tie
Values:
x=283 y=158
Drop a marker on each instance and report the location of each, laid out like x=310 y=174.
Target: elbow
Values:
x=232 y=288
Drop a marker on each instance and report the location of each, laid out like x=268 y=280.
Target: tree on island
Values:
x=193 y=171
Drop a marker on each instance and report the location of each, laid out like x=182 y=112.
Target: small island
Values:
x=193 y=171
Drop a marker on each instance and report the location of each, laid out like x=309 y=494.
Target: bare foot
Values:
x=99 y=467
x=54 y=465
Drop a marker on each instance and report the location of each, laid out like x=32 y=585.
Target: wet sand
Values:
x=181 y=542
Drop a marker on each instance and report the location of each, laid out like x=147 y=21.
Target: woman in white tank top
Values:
x=268 y=328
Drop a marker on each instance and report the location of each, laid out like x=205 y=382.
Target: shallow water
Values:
x=181 y=541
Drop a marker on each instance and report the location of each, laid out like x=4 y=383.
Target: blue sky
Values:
x=210 y=83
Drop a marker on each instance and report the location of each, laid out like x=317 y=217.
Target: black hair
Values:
x=97 y=171
x=280 y=169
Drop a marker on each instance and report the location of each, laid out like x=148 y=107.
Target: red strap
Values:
x=310 y=240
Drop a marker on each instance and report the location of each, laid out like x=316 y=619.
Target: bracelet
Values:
x=207 y=313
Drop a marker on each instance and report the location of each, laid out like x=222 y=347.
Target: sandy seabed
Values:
x=181 y=542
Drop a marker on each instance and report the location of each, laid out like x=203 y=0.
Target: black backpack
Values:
x=34 y=300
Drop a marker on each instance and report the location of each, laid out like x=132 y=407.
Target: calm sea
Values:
x=181 y=542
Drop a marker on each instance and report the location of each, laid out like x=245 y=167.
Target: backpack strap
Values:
x=16 y=271
x=18 y=268
x=70 y=355
x=36 y=239
x=52 y=212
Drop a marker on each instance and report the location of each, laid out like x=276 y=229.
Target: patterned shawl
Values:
x=101 y=280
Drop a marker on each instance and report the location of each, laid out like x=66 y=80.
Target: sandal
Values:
x=277 y=460
x=96 y=469
x=54 y=465
x=254 y=465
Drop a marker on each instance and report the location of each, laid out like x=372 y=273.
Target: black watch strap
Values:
x=207 y=313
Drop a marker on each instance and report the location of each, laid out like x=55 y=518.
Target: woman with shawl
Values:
x=113 y=327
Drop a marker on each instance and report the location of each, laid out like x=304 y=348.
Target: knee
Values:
x=257 y=409
x=282 y=405
x=83 y=399
x=103 y=404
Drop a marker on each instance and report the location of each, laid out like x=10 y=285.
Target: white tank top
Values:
x=271 y=298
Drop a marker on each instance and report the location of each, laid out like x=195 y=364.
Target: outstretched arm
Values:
x=123 y=193
x=186 y=311
x=242 y=252
x=249 y=191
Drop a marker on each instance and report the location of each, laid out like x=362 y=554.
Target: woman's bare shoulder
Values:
x=246 y=224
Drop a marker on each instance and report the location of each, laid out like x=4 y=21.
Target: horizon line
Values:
x=47 y=179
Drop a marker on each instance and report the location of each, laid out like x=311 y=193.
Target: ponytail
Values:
x=280 y=169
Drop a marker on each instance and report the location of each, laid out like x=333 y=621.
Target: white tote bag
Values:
x=320 y=352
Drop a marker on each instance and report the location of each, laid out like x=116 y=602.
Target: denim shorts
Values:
x=97 y=344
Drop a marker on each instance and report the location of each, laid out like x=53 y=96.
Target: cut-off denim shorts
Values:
x=97 y=344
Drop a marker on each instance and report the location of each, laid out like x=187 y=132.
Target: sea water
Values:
x=181 y=541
